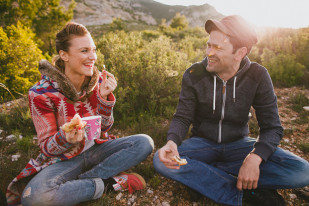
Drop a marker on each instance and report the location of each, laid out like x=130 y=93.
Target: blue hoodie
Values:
x=219 y=110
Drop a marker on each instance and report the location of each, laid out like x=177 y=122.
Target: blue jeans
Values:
x=212 y=169
x=80 y=178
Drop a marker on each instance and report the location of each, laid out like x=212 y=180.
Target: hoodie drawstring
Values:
x=234 y=88
x=215 y=86
x=214 y=99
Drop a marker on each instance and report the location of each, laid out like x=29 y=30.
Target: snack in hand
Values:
x=180 y=161
x=75 y=121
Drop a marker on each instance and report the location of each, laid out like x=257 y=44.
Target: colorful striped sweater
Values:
x=54 y=101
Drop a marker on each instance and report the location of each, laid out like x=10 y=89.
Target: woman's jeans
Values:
x=80 y=178
x=212 y=169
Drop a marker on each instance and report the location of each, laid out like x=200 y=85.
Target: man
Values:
x=224 y=164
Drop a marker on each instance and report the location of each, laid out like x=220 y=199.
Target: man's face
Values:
x=219 y=52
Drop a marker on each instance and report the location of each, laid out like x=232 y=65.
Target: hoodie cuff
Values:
x=262 y=150
x=174 y=138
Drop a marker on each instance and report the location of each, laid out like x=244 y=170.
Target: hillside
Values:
x=98 y=12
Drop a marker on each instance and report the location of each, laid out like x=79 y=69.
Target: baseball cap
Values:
x=234 y=26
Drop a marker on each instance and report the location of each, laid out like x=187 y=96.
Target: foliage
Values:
x=148 y=72
x=44 y=17
x=283 y=53
x=179 y=22
x=117 y=24
x=19 y=57
x=283 y=68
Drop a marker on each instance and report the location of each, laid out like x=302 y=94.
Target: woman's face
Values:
x=80 y=58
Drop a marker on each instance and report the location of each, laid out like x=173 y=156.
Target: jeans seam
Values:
x=106 y=151
x=66 y=172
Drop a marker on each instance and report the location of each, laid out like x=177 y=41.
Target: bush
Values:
x=284 y=70
x=149 y=73
x=19 y=58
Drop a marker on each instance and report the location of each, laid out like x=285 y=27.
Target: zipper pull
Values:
x=224 y=87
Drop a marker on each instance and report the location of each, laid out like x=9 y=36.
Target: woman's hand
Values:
x=108 y=85
x=75 y=135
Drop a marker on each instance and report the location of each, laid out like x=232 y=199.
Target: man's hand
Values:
x=166 y=154
x=249 y=172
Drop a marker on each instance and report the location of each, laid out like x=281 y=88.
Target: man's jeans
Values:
x=212 y=169
x=80 y=178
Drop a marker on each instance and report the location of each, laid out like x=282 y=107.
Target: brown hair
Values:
x=238 y=43
x=63 y=38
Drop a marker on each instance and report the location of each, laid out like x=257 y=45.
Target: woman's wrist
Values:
x=103 y=96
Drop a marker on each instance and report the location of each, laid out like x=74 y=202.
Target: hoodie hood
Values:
x=61 y=82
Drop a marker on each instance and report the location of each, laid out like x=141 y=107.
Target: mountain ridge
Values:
x=98 y=12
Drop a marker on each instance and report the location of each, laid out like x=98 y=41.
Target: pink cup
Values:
x=93 y=127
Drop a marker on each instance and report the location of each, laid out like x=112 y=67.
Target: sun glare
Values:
x=274 y=13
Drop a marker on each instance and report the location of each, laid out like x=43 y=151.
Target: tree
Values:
x=44 y=17
x=179 y=22
x=19 y=57
x=117 y=24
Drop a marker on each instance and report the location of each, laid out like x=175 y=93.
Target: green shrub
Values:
x=19 y=57
x=284 y=70
x=149 y=73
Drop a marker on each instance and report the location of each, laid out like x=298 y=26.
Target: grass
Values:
x=298 y=101
x=17 y=120
x=304 y=147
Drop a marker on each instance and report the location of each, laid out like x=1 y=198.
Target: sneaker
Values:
x=129 y=181
x=263 y=197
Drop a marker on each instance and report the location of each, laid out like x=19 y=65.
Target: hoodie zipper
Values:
x=222 y=111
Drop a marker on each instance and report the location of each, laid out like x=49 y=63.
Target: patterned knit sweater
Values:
x=54 y=101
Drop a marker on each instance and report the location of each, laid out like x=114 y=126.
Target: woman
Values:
x=69 y=169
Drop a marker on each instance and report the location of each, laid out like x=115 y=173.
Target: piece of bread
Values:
x=180 y=161
x=75 y=121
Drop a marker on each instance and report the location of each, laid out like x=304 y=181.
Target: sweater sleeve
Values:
x=265 y=105
x=51 y=141
x=105 y=110
x=184 y=113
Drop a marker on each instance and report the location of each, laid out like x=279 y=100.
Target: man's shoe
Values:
x=303 y=193
x=129 y=181
x=263 y=197
x=194 y=195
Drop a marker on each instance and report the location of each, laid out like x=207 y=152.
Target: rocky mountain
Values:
x=98 y=12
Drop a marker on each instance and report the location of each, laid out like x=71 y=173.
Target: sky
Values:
x=274 y=13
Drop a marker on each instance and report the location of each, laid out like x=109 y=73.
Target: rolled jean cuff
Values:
x=99 y=188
